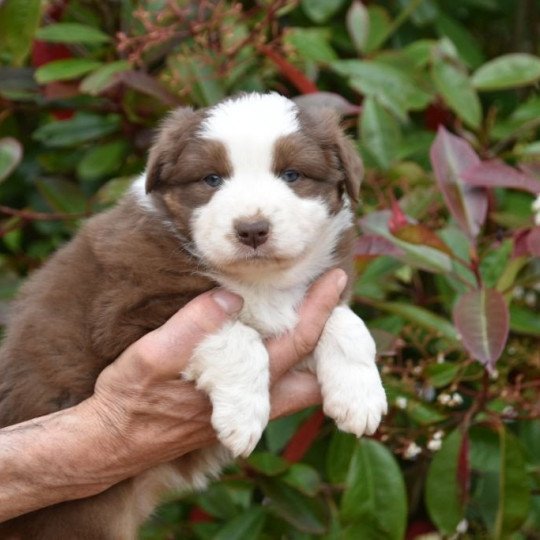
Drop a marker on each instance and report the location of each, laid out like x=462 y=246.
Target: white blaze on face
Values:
x=249 y=127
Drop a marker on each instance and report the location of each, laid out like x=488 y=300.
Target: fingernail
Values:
x=341 y=279
x=229 y=302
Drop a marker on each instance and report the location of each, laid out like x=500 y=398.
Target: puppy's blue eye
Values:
x=290 y=175
x=213 y=180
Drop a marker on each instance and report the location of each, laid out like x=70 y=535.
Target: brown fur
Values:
x=123 y=275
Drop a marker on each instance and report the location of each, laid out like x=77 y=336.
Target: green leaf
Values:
x=246 y=526
x=69 y=32
x=303 y=478
x=18 y=22
x=81 y=128
x=375 y=492
x=379 y=28
x=508 y=71
x=443 y=374
x=529 y=435
x=380 y=133
x=11 y=153
x=422 y=317
x=111 y=192
x=424 y=257
x=320 y=11
x=424 y=414
x=267 y=463
x=466 y=44
x=62 y=196
x=338 y=458
x=358 y=25
x=103 y=160
x=524 y=321
x=455 y=87
x=443 y=498
x=312 y=44
x=514 y=488
x=217 y=501
x=494 y=262
x=392 y=87
x=65 y=70
x=304 y=513
x=102 y=77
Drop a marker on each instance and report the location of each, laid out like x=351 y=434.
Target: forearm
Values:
x=55 y=458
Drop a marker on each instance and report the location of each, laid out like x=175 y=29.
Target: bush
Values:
x=448 y=261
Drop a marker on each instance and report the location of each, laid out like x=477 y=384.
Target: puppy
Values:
x=253 y=194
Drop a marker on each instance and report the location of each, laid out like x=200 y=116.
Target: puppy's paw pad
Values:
x=356 y=403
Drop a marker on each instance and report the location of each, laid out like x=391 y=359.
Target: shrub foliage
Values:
x=441 y=98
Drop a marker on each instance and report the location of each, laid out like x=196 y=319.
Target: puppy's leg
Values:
x=351 y=387
x=232 y=368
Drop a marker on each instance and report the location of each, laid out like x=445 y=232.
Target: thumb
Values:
x=169 y=347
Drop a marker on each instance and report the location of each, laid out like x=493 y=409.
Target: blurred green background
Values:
x=441 y=97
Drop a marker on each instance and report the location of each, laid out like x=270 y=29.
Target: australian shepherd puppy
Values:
x=254 y=194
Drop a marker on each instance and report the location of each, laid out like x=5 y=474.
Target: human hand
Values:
x=157 y=417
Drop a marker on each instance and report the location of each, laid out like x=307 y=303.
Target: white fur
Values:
x=351 y=386
x=248 y=126
x=232 y=368
x=143 y=199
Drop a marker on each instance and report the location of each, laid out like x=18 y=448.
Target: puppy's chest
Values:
x=271 y=312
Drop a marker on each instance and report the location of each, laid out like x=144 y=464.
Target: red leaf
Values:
x=451 y=156
x=436 y=115
x=520 y=243
x=421 y=235
x=398 y=219
x=463 y=469
x=495 y=173
x=533 y=242
x=294 y=75
x=302 y=440
x=327 y=100
x=481 y=317
x=371 y=245
x=198 y=515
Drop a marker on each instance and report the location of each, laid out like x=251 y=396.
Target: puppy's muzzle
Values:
x=252 y=233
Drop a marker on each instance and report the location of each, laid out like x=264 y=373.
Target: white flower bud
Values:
x=412 y=451
x=401 y=402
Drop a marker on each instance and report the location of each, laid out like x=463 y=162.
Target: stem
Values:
x=400 y=19
x=30 y=215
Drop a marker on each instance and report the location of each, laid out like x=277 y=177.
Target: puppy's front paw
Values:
x=239 y=425
x=351 y=387
x=232 y=368
x=355 y=399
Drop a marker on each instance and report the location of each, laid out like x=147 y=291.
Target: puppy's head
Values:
x=254 y=181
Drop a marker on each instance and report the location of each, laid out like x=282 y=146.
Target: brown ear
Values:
x=352 y=165
x=174 y=133
x=324 y=122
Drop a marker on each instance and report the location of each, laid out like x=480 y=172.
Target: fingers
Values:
x=169 y=348
x=321 y=299
x=293 y=392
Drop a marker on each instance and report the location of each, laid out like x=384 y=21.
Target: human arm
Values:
x=141 y=413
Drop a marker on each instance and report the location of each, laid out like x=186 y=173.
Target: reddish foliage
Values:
x=198 y=515
x=304 y=437
x=464 y=469
x=292 y=74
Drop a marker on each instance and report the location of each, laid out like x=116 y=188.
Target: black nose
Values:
x=252 y=233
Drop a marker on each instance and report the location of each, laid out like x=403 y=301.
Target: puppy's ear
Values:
x=174 y=133
x=324 y=123
x=351 y=163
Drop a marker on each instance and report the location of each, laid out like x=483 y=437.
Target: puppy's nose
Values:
x=252 y=233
